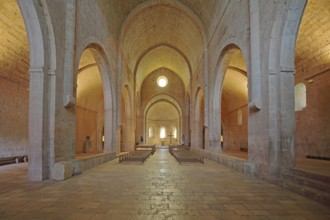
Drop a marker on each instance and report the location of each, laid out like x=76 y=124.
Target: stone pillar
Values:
x=255 y=100
x=287 y=118
x=38 y=169
x=108 y=131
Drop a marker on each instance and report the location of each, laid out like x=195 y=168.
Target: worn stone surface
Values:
x=62 y=170
x=161 y=188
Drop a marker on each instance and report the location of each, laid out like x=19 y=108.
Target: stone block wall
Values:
x=13 y=119
x=86 y=126
x=14 y=82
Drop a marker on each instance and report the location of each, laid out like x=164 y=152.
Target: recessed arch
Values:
x=224 y=63
x=100 y=57
x=162 y=122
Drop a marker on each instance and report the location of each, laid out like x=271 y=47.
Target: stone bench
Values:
x=140 y=155
x=186 y=156
x=145 y=147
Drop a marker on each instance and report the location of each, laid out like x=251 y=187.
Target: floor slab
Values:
x=160 y=188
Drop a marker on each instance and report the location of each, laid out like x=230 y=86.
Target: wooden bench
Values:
x=244 y=149
x=186 y=156
x=145 y=147
x=10 y=160
x=140 y=155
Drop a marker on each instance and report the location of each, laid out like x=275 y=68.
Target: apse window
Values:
x=162 y=132
x=300 y=96
x=175 y=133
x=162 y=81
x=151 y=132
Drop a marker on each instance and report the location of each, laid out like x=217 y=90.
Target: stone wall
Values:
x=312 y=64
x=14 y=81
x=86 y=126
x=13 y=119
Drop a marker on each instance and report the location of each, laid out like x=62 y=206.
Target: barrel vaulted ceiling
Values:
x=313 y=42
x=164 y=34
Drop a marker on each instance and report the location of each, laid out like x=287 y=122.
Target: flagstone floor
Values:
x=161 y=188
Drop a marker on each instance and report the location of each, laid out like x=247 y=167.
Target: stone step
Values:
x=311 y=193
x=311 y=183
x=316 y=177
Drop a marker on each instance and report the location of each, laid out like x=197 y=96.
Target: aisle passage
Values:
x=161 y=188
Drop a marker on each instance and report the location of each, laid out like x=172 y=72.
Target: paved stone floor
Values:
x=159 y=189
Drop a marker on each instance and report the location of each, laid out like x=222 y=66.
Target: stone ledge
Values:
x=83 y=164
x=235 y=163
x=62 y=170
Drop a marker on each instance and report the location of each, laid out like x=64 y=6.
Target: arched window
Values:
x=162 y=132
x=151 y=132
x=175 y=132
x=300 y=96
x=239 y=116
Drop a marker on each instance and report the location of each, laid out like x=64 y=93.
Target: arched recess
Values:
x=154 y=100
x=42 y=88
x=234 y=104
x=127 y=141
x=231 y=59
x=101 y=62
x=281 y=85
x=89 y=104
x=163 y=117
x=198 y=129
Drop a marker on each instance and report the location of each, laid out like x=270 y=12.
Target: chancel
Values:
x=164 y=109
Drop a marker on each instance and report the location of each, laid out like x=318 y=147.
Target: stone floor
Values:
x=161 y=188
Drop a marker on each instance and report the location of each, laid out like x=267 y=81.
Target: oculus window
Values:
x=162 y=81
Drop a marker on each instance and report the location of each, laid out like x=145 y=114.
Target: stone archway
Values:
x=42 y=89
x=97 y=60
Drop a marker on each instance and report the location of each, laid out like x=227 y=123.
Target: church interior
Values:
x=239 y=85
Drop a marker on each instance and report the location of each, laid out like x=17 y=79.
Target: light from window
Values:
x=300 y=96
x=239 y=116
x=151 y=132
x=162 y=132
x=175 y=133
x=162 y=81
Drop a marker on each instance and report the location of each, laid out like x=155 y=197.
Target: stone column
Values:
x=287 y=118
x=108 y=131
x=38 y=169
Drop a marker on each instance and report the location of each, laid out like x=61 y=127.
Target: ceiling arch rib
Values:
x=162 y=24
x=163 y=57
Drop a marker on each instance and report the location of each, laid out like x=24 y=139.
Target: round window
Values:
x=162 y=81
